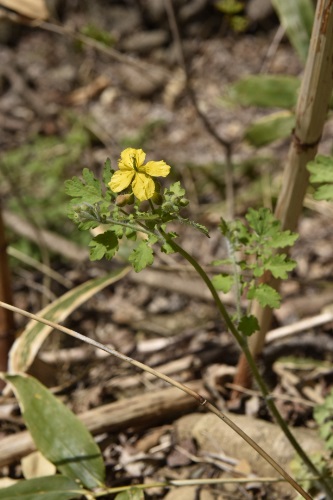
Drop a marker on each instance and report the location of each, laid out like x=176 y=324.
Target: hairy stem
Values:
x=135 y=228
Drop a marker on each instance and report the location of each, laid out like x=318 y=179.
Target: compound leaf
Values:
x=87 y=190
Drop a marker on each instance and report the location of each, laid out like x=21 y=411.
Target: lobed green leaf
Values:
x=248 y=325
x=141 y=257
x=223 y=282
x=87 y=190
x=279 y=266
x=107 y=172
x=104 y=245
x=265 y=295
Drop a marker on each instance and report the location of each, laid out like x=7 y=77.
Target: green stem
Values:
x=242 y=342
x=129 y=225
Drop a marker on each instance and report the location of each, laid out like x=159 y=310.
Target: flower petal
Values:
x=143 y=187
x=127 y=156
x=121 y=180
x=157 y=168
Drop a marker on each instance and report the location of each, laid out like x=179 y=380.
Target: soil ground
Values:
x=137 y=96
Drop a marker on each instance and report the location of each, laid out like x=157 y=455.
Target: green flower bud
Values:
x=157 y=198
x=170 y=207
x=85 y=212
x=183 y=202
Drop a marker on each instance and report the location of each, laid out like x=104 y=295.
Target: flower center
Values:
x=134 y=163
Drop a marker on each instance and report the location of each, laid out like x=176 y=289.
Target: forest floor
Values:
x=64 y=105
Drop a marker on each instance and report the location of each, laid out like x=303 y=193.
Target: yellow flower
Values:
x=133 y=171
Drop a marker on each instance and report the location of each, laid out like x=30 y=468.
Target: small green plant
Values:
x=131 y=204
x=117 y=209
x=256 y=242
x=233 y=10
x=96 y=33
x=259 y=237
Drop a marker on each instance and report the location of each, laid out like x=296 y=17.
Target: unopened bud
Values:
x=157 y=198
x=124 y=199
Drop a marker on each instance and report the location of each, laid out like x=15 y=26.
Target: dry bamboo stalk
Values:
x=311 y=111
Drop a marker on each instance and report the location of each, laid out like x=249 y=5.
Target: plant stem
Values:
x=127 y=224
x=242 y=342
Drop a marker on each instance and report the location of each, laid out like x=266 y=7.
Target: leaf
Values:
x=25 y=348
x=323 y=415
x=176 y=189
x=282 y=239
x=43 y=488
x=87 y=190
x=279 y=266
x=270 y=128
x=167 y=248
x=222 y=262
x=265 y=295
x=229 y=7
x=248 y=325
x=297 y=18
x=141 y=257
x=196 y=225
x=104 y=245
x=268 y=229
x=262 y=221
x=107 y=171
x=324 y=193
x=223 y=282
x=58 y=434
x=272 y=91
x=321 y=170
x=132 y=494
